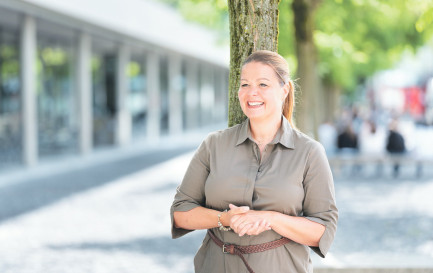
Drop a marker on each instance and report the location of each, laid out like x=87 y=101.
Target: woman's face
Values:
x=261 y=95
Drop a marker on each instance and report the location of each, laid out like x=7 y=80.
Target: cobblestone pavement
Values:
x=123 y=225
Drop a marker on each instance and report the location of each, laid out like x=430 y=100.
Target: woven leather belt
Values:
x=240 y=250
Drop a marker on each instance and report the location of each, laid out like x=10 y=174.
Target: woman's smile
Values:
x=260 y=94
x=255 y=104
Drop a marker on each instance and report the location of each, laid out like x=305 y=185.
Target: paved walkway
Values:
x=121 y=223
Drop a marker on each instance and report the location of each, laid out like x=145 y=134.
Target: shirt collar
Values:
x=283 y=136
x=244 y=132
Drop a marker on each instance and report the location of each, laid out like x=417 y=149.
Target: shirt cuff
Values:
x=326 y=239
x=175 y=231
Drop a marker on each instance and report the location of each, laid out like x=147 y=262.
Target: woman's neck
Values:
x=264 y=131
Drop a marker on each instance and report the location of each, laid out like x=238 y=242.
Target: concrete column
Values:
x=211 y=100
x=175 y=94
x=153 y=87
x=207 y=98
x=28 y=78
x=84 y=88
x=123 y=129
x=192 y=95
x=221 y=95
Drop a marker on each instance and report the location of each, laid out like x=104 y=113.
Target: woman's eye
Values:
x=244 y=85
x=263 y=85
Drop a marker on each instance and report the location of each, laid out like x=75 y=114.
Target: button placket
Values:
x=253 y=171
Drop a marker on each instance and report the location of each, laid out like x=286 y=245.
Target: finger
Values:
x=255 y=229
x=241 y=224
x=236 y=210
x=258 y=228
x=256 y=225
x=234 y=218
x=239 y=220
x=235 y=222
x=232 y=207
x=267 y=225
x=264 y=226
x=244 y=230
x=244 y=208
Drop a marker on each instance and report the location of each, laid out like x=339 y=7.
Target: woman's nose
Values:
x=253 y=90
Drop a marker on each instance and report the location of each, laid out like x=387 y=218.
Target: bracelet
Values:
x=220 y=225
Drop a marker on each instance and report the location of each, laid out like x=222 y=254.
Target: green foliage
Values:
x=53 y=56
x=53 y=62
x=9 y=64
x=212 y=14
x=133 y=69
x=424 y=24
x=286 y=38
x=355 y=38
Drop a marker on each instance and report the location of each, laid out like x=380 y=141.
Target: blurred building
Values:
x=79 y=75
x=405 y=89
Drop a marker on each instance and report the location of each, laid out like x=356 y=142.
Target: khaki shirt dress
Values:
x=292 y=177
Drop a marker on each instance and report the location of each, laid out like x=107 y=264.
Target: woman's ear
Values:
x=286 y=89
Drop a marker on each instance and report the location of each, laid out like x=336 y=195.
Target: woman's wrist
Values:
x=223 y=221
x=270 y=217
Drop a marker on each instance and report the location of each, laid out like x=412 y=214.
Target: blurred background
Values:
x=102 y=104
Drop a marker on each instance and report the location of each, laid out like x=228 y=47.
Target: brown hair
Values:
x=281 y=68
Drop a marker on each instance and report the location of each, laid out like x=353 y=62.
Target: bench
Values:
x=357 y=161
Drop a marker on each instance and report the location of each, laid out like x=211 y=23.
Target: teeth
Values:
x=254 y=103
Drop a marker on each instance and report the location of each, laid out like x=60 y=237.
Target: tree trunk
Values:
x=331 y=103
x=253 y=26
x=306 y=113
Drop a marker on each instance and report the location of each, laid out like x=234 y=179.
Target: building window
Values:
x=56 y=97
x=10 y=96
x=221 y=94
x=183 y=89
x=163 y=76
x=207 y=94
x=104 y=60
x=138 y=98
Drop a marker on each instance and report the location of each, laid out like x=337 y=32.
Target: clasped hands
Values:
x=245 y=221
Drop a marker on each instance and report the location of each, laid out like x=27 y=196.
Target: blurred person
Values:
x=347 y=144
x=372 y=138
x=395 y=143
x=327 y=136
x=347 y=140
x=262 y=178
x=356 y=120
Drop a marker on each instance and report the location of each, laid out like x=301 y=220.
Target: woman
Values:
x=258 y=182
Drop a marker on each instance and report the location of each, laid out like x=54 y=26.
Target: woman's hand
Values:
x=249 y=222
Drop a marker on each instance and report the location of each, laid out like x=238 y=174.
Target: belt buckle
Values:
x=224 y=249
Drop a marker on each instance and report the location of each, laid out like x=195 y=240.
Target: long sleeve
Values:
x=319 y=202
x=190 y=194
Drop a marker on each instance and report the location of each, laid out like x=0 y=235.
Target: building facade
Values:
x=87 y=74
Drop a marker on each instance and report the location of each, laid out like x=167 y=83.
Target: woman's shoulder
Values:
x=303 y=141
x=226 y=134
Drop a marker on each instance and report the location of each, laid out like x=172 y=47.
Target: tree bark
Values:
x=253 y=26
x=331 y=103
x=306 y=114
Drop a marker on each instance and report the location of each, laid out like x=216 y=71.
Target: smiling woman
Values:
x=262 y=94
x=263 y=179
